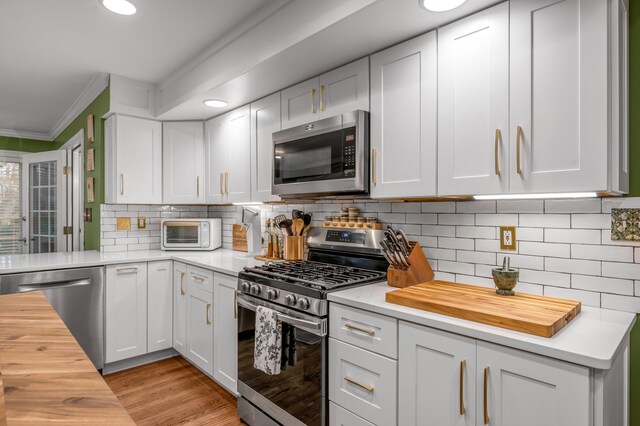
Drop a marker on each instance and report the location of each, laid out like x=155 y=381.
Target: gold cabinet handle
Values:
x=121 y=183
x=207 y=314
x=197 y=278
x=133 y=269
x=518 y=153
x=362 y=330
x=496 y=155
x=463 y=365
x=181 y=281
x=235 y=304
x=486 y=410
x=360 y=385
x=197 y=186
x=313 y=101
x=322 y=105
x=226 y=183
x=221 y=180
x=374 y=155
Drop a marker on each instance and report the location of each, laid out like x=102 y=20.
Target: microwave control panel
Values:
x=349 y=152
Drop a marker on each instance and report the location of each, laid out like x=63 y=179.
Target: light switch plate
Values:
x=625 y=224
x=508 y=239
x=142 y=222
x=123 y=224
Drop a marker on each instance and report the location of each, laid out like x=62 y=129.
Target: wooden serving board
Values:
x=528 y=313
x=239 y=238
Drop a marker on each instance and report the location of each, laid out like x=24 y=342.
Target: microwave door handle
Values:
x=310 y=326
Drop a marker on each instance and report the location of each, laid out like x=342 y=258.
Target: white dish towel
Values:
x=268 y=341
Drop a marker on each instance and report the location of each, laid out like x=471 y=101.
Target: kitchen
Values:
x=292 y=212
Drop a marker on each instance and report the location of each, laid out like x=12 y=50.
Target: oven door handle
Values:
x=317 y=328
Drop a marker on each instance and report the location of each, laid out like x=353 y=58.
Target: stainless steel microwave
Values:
x=326 y=157
x=191 y=234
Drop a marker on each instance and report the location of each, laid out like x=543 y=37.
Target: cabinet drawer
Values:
x=363 y=382
x=338 y=416
x=374 y=332
x=200 y=278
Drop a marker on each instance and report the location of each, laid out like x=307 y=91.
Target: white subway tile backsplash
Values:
x=589 y=205
x=529 y=288
x=620 y=203
x=497 y=219
x=519 y=261
x=476 y=207
x=476 y=257
x=521 y=206
x=424 y=240
x=422 y=218
x=444 y=276
x=456 y=267
x=576 y=236
x=629 y=271
x=484 y=270
x=455 y=243
x=439 y=207
x=591 y=221
x=545 y=249
x=555 y=279
x=439 y=254
x=545 y=220
x=530 y=234
x=596 y=252
x=439 y=230
x=588 y=298
x=488 y=245
x=573 y=266
x=473 y=280
x=485 y=232
x=621 y=303
x=602 y=285
x=456 y=219
x=392 y=217
x=406 y=208
x=636 y=285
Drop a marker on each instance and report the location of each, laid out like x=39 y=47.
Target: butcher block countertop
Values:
x=46 y=377
x=593 y=339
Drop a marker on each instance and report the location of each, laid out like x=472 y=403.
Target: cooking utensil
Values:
x=285 y=225
x=298 y=225
x=278 y=219
x=405 y=240
x=297 y=214
x=307 y=222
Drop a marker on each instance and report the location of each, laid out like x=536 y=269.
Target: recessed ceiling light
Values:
x=121 y=7
x=440 y=5
x=215 y=103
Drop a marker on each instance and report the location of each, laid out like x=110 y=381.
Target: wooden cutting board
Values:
x=239 y=238
x=527 y=313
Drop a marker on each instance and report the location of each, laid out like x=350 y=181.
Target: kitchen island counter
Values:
x=47 y=378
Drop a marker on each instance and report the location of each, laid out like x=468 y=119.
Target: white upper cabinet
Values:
x=228 y=154
x=519 y=388
x=404 y=119
x=265 y=120
x=473 y=104
x=159 y=305
x=183 y=162
x=341 y=90
x=560 y=95
x=133 y=160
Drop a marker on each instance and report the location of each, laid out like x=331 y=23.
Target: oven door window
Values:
x=298 y=388
x=326 y=156
x=181 y=234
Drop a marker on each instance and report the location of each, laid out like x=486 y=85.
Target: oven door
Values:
x=296 y=396
x=181 y=234
x=326 y=156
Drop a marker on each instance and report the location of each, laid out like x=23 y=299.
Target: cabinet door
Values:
x=345 y=89
x=135 y=160
x=265 y=120
x=436 y=377
x=216 y=152
x=559 y=95
x=200 y=328
x=225 y=335
x=300 y=103
x=180 y=299
x=529 y=390
x=473 y=104
x=159 y=306
x=404 y=119
x=183 y=162
x=126 y=311
x=238 y=140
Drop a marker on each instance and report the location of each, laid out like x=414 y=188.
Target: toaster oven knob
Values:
x=304 y=303
x=245 y=287
x=255 y=289
x=272 y=294
x=290 y=300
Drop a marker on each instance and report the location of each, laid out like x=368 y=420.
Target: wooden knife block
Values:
x=419 y=270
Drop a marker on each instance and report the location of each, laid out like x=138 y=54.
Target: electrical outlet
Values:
x=508 y=239
x=123 y=224
x=142 y=222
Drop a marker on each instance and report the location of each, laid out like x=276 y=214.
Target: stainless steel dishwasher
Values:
x=78 y=297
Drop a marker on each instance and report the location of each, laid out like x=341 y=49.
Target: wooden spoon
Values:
x=298 y=225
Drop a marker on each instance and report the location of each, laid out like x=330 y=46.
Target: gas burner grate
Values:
x=316 y=274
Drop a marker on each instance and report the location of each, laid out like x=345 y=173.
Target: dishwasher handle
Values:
x=53 y=285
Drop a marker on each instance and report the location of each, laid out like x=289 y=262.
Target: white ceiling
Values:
x=53 y=49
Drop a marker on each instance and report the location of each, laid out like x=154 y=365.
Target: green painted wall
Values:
x=25 y=145
x=98 y=108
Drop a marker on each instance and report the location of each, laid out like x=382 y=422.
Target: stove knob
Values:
x=245 y=287
x=290 y=300
x=255 y=289
x=304 y=303
x=272 y=294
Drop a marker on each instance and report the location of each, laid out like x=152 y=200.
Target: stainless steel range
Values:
x=297 y=291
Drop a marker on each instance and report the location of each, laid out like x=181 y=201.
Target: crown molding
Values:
x=25 y=135
x=88 y=95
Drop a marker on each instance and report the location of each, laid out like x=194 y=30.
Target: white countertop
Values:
x=592 y=339
x=221 y=260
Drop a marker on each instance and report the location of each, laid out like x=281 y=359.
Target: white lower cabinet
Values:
x=338 y=416
x=180 y=300
x=225 y=331
x=126 y=311
x=200 y=329
x=159 y=306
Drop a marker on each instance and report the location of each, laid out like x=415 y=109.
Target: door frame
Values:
x=75 y=241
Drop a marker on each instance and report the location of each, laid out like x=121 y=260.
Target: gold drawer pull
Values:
x=313 y=101
x=496 y=158
x=181 y=280
x=362 y=330
x=518 y=154
x=207 y=313
x=322 y=104
x=198 y=278
x=463 y=364
x=235 y=304
x=374 y=154
x=486 y=410
x=360 y=385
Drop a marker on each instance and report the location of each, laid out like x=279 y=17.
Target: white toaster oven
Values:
x=191 y=234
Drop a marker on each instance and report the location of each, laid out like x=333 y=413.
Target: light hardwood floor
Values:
x=173 y=392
